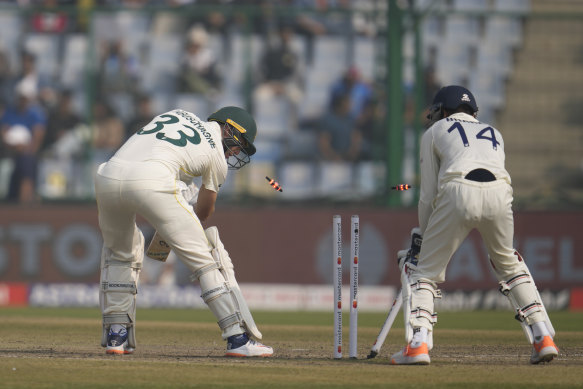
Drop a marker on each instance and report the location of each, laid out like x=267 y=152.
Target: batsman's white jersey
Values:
x=450 y=206
x=188 y=146
x=141 y=178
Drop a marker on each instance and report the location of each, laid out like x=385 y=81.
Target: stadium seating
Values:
x=162 y=64
x=471 y=49
x=74 y=61
x=11 y=26
x=299 y=178
x=45 y=48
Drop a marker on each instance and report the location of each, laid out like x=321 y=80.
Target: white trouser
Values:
x=462 y=205
x=150 y=190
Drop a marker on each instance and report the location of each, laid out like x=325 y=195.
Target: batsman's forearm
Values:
x=205 y=206
x=203 y=213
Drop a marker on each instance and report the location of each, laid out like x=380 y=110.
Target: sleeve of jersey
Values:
x=429 y=169
x=214 y=177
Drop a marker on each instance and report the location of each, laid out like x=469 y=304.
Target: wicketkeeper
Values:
x=143 y=177
x=464 y=186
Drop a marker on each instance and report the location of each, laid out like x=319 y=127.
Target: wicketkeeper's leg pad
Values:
x=418 y=306
x=525 y=299
x=221 y=292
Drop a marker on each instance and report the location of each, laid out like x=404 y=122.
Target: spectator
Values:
x=361 y=94
x=280 y=70
x=431 y=82
x=199 y=70
x=143 y=115
x=84 y=9
x=135 y=4
x=309 y=25
x=373 y=139
x=49 y=19
x=44 y=92
x=61 y=120
x=119 y=70
x=108 y=131
x=23 y=127
x=213 y=19
x=340 y=139
x=5 y=75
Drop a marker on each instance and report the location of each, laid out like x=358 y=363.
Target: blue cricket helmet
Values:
x=450 y=98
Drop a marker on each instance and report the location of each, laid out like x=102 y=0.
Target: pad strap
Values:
x=427 y=286
x=507 y=286
x=210 y=295
x=230 y=320
x=420 y=312
x=136 y=265
x=205 y=269
x=117 y=318
x=119 y=287
x=524 y=312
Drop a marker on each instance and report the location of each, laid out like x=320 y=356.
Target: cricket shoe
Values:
x=544 y=351
x=117 y=342
x=412 y=356
x=241 y=346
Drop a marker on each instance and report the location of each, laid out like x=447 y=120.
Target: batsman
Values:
x=146 y=177
x=464 y=186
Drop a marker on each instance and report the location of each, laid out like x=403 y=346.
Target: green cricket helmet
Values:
x=239 y=124
x=240 y=120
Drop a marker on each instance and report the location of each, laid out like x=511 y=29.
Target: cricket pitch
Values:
x=183 y=348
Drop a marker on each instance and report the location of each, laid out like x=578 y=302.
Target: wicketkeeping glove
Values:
x=411 y=256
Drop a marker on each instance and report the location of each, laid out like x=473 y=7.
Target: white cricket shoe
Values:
x=117 y=342
x=544 y=351
x=412 y=356
x=241 y=346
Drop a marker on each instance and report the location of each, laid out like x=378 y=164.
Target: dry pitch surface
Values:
x=44 y=348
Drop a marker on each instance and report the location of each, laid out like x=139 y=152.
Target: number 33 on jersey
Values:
x=165 y=127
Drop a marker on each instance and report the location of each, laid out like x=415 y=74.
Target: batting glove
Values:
x=189 y=192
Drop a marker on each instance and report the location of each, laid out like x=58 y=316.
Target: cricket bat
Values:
x=158 y=248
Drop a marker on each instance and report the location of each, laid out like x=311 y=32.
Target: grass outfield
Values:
x=59 y=348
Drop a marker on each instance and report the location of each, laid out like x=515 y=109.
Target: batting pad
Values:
x=119 y=287
x=221 y=291
x=119 y=291
x=418 y=306
x=525 y=299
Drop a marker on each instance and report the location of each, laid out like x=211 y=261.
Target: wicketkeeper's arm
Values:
x=429 y=172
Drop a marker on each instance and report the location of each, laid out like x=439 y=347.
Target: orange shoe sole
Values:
x=118 y=352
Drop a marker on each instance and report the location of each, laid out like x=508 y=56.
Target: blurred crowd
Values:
x=62 y=129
